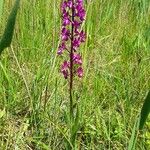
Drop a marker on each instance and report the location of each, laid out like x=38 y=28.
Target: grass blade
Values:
x=1 y=7
x=133 y=138
x=9 y=29
x=145 y=111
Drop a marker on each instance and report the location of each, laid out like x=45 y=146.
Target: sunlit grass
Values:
x=34 y=96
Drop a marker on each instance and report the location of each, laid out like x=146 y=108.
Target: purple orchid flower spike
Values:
x=73 y=14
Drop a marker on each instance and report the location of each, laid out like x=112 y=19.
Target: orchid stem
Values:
x=71 y=64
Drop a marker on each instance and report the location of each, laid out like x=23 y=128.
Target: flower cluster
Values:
x=73 y=14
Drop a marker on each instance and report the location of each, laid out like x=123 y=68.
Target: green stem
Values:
x=71 y=65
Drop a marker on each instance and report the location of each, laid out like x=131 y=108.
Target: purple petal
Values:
x=80 y=72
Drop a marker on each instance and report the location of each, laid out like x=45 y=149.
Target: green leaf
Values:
x=75 y=126
x=133 y=138
x=1 y=8
x=2 y=113
x=145 y=111
x=9 y=29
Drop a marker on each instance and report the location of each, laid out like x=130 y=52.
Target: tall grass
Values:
x=33 y=94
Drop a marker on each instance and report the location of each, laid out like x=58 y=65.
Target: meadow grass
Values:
x=34 y=95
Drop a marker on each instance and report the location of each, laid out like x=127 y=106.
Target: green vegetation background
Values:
x=34 y=95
